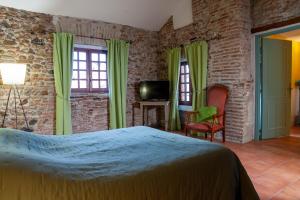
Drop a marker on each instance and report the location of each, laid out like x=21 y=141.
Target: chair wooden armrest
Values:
x=218 y=115
x=215 y=119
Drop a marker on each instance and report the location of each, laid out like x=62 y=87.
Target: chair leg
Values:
x=223 y=134
x=211 y=136
x=186 y=131
x=205 y=135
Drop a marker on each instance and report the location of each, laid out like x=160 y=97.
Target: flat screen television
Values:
x=154 y=90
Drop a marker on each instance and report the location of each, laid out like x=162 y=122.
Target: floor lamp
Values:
x=13 y=75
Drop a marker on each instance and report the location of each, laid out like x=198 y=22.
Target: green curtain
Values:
x=173 y=60
x=196 y=54
x=117 y=76
x=62 y=60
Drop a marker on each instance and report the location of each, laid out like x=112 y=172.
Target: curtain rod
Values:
x=100 y=38
x=215 y=36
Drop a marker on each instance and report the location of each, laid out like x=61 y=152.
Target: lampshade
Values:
x=13 y=74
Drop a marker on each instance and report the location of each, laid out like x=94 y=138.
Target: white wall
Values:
x=182 y=13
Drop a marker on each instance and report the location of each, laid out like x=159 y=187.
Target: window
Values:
x=185 y=86
x=89 y=71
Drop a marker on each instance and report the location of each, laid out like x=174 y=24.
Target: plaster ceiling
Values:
x=291 y=35
x=145 y=14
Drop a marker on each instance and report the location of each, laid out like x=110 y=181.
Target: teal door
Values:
x=276 y=92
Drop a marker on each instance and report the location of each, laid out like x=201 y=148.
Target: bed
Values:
x=137 y=163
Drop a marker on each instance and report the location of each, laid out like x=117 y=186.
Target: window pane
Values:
x=82 y=74
x=182 y=97
x=82 y=56
x=75 y=75
x=75 y=55
x=187 y=87
x=103 y=84
x=182 y=89
x=95 y=84
x=74 y=84
x=82 y=65
x=89 y=64
x=82 y=84
x=182 y=79
x=103 y=66
x=187 y=78
x=103 y=57
x=75 y=65
x=95 y=75
x=102 y=75
x=182 y=69
x=95 y=66
x=95 y=57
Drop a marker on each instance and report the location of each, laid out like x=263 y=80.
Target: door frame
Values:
x=258 y=74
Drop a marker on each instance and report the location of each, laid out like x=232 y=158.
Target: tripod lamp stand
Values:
x=13 y=75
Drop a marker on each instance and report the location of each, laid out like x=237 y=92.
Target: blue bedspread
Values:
x=97 y=154
x=126 y=164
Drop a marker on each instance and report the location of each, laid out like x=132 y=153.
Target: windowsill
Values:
x=185 y=108
x=82 y=94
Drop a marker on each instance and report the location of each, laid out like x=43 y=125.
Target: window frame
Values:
x=89 y=71
x=185 y=103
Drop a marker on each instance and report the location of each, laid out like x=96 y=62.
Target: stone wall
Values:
x=89 y=111
x=16 y=27
x=225 y=25
x=265 y=12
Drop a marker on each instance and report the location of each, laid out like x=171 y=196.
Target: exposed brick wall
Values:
x=89 y=112
x=265 y=12
x=229 y=55
x=226 y=25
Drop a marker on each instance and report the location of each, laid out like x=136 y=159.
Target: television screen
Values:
x=154 y=90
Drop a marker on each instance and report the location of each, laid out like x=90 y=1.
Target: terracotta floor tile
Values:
x=271 y=184
x=256 y=167
x=264 y=192
x=291 y=167
x=291 y=192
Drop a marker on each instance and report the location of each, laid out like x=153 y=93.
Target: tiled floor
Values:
x=273 y=165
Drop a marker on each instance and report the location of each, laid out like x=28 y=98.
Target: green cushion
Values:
x=206 y=113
